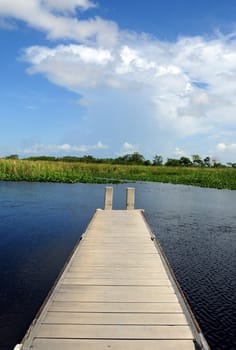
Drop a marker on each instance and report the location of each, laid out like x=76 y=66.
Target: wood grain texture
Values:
x=90 y=344
x=115 y=293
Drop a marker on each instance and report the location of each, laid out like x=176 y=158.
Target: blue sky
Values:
x=113 y=77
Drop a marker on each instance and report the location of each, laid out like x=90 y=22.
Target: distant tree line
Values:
x=135 y=159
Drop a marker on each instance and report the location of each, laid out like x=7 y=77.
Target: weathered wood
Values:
x=102 y=281
x=138 y=308
x=108 y=198
x=130 y=271
x=117 y=331
x=115 y=292
x=90 y=344
x=130 y=198
x=115 y=297
x=108 y=318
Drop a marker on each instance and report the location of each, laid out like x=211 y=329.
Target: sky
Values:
x=110 y=77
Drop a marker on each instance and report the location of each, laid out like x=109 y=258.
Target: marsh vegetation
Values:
x=74 y=171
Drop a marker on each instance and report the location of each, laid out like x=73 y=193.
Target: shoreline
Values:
x=66 y=172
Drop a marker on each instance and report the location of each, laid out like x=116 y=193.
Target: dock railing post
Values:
x=108 y=198
x=130 y=197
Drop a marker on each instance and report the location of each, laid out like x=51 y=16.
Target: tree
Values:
x=207 y=161
x=89 y=159
x=157 y=160
x=172 y=162
x=136 y=158
x=46 y=158
x=197 y=161
x=12 y=156
x=216 y=163
x=185 y=161
x=232 y=165
x=147 y=162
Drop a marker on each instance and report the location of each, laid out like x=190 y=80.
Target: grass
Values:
x=46 y=171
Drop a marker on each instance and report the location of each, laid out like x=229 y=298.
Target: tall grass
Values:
x=25 y=170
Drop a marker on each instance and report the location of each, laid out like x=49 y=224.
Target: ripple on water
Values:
x=196 y=228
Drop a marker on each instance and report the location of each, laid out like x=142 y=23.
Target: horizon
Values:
x=110 y=78
x=193 y=160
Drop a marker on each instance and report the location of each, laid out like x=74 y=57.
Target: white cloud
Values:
x=72 y=53
x=40 y=15
x=68 y=5
x=100 y=145
x=128 y=148
x=185 y=84
x=187 y=80
x=178 y=152
x=71 y=66
x=222 y=147
x=43 y=149
x=225 y=152
x=172 y=90
x=132 y=60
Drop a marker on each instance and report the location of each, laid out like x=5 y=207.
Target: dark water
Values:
x=40 y=224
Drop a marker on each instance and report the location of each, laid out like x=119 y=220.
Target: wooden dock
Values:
x=116 y=292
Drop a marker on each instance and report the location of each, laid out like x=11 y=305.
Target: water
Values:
x=40 y=223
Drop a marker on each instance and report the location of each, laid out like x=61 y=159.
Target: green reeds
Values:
x=51 y=171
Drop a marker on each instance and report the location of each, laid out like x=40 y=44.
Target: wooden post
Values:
x=108 y=198
x=130 y=197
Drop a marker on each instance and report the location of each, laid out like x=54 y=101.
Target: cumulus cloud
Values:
x=40 y=14
x=73 y=66
x=178 y=152
x=187 y=87
x=128 y=148
x=73 y=53
x=62 y=148
x=222 y=147
x=187 y=81
x=225 y=151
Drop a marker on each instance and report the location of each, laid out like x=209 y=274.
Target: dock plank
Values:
x=90 y=344
x=103 y=281
x=53 y=317
x=72 y=331
x=115 y=293
x=125 y=307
